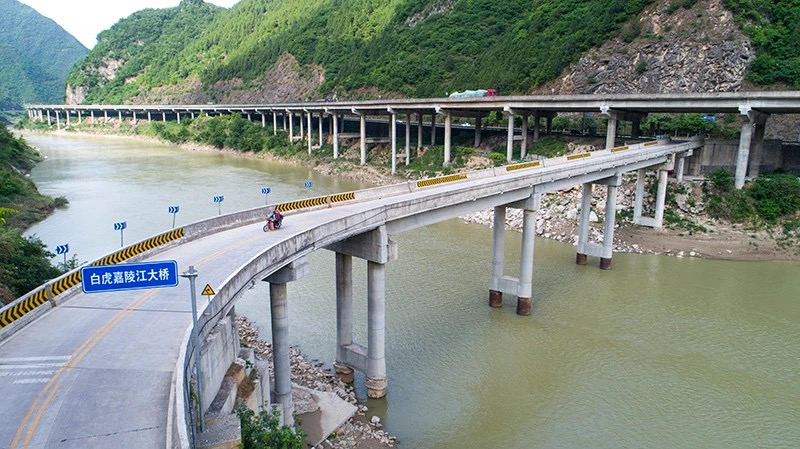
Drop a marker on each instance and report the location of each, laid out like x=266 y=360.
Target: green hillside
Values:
x=146 y=45
x=36 y=55
x=396 y=47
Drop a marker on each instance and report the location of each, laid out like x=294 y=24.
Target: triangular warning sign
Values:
x=208 y=290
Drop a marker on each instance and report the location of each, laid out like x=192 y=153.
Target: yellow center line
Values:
x=90 y=343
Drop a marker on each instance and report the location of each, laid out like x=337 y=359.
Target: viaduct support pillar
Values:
x=408 y=138
x=67 y=113
x=335 y=136
x=291 y=128
x=393 y=137
x=309 y=114
x=119 y=117
x=510 y=141
x=523 y=149
x=163 y=117
x=433 y=129
x=611 y=131
x=49 y=123
x=134 y=118
x=284 y=120
x=586 y=248
x=419 y=131
x=609 y=221
x=583 y=225
x=638 y=196
x=302 y=128
x=537 y=119
x=320 y=129
x=661 y=197
x=178 y=117
x=80 y=117
x=526 y=263
x=448 y=132
x=363 y=139
x=377 y=249
x=657 y=220
x=274 y=123
x=478 y=124
x=91 y=117
x=58 y=120
x=105 y=117
x=280 y=335
x=149 y=117
x=263 y=120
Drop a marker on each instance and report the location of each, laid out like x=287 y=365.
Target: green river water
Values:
x=658 y=352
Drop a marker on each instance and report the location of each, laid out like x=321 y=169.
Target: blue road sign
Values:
x=129 y=276
x=62 y=249
x=308 y=184
x=219 y=199
x=174 y=209
x=709 y=118
x=120 y=226
x=265 y=190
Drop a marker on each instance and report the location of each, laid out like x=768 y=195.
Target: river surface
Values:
x=658 y=352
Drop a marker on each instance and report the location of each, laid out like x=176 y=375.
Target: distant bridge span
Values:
x=113 y=369
x=755 y=106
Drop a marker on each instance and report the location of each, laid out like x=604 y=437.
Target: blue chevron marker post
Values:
x=219 y=199
x=63 y=249
x=174 y=211
x=120 y=226
x=308 y=184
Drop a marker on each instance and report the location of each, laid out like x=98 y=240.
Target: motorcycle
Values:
x=272 y=224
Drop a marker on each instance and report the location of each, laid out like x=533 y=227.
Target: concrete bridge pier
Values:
x=319 y=123
x=309 y=117
x=67 y=113
x=510 y=142
x=657 y=220
x=521 y=287
x=291 y=127
x=134 y=118
x=377 y=249
x=478 y=125
x=80 y=117
x=149 y=117
x=433 y=129
x=419 y=131
x=283 y=116
x=393 y=138
x=178 y=116
x=586 y=248
x=49 y=123
x=105 y=117
x=363 y=134
x=751 y=137
x=335 y=126
x=448 y=133
x=274 y=123
x=280 y=334
x=58 y=120
x=523 y=149
x=408 y=138
x=91 y=118
x=163 y=117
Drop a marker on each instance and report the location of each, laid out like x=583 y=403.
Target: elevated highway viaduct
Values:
x=298 y=119
x=114 y=369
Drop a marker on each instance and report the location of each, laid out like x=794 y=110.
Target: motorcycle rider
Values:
x=275 y=217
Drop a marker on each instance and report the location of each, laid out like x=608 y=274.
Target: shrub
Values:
x=265 y=431
x=497 y=159
x=775 y=195
x=721 y=179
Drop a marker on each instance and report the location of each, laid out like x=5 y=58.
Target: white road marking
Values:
x=34 y=380
x=33 y=359
x=38 y=365
x=27 y=373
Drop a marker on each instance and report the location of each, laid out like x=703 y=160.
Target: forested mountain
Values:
x=35 y=56
x=265 y=50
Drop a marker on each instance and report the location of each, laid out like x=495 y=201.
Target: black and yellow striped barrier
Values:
x=573 y=157
x=61 y=285
x=339 y=197
x=647 y=144
x=523 y=166
x=302 y=204
x=18 y=310
x=618 y=149
x=442 y=180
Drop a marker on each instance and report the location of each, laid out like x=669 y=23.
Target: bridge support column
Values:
x=378 y=250
x=393 y=138
x=320 y=129
x=309 y=116
x=661 y=197
x=408 y=138
x=58 y=120
x=523 y=148
x=522 y=287
x=510 y=141
x=192 y=115
x=178 y=117
x=119 y=117
x=752 y=137
x=49 y=123
x=335 y=136
x=419 y=131
x=433 y=129
x=498 y=253
x=657 y=220
x=609 y=221
x=611 y=131
x=478 y=125
x=105 y=117
x=280 y=335
x=638 y=196
x=291 y=128
x=583 y=226
x=80 y=117
x=344 y=315
x=149 y=117
x=163 y=117
x=274 y=123
x=302 y=128
x=537 y=120
x=68 y=114
x=91 y=118
x=363 y=138
x=284 y=120
x=134 y=118
x=263 y=120
x=448 y=132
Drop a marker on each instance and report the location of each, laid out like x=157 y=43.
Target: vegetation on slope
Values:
x=774 y=28
x=36 y=54
x=145 y=47
x=413 y=47
x=24 y=262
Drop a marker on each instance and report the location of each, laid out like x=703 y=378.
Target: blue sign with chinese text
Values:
x=129 y=276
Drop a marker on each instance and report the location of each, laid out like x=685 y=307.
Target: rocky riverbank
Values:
x=362 y=431
x=687 y=231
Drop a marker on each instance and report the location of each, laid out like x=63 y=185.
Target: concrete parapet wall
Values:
x=722 y=154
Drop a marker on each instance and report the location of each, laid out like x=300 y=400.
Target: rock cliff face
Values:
x=699 y=49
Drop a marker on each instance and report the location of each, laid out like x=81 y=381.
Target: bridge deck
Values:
x=96 y=371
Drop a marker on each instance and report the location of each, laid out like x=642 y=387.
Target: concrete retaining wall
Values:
x=722 y=154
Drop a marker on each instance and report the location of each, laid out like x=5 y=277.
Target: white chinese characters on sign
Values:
x=129 y=277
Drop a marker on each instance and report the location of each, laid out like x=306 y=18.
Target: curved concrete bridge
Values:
x=113 y=369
